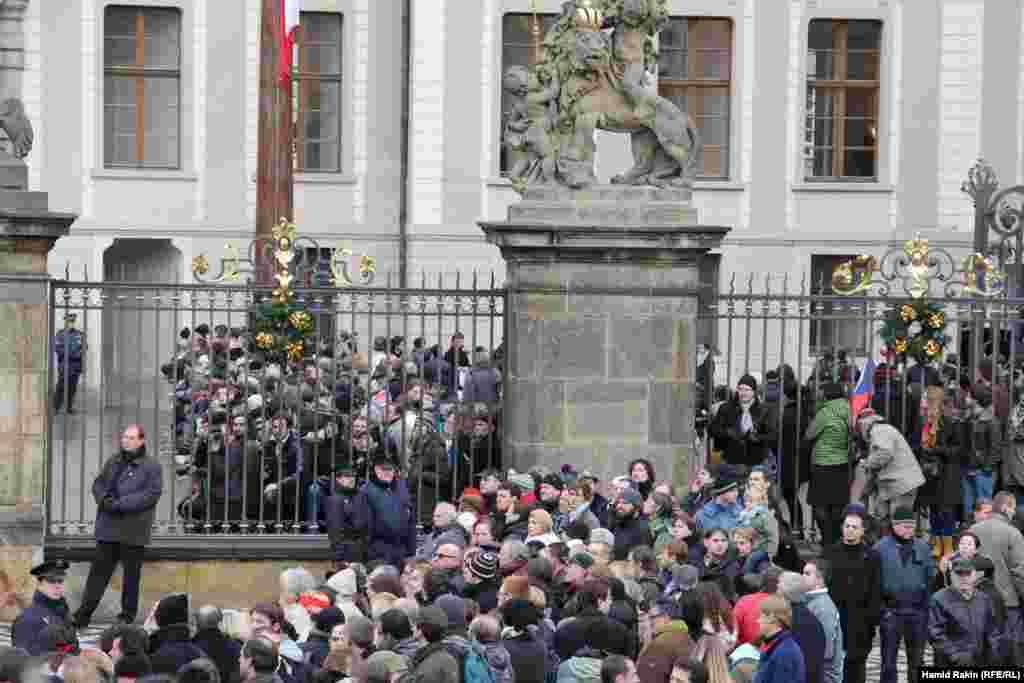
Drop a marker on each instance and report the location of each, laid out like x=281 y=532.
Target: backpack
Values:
x=473 y=664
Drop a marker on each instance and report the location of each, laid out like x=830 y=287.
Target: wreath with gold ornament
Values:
x=282 y=330
x=916 y=329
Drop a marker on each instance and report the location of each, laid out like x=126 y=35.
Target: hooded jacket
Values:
x=28 y=628
x=581 y=669
x=671 y=641
x=171 y=648
x=500 y=661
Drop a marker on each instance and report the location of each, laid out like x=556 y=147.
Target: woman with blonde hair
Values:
x=758 y=514
x=538 y=528
x=714 y=655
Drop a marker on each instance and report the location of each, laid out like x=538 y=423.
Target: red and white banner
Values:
x=288 y=22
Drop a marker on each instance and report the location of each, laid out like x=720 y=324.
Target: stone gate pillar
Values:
x=28 y=231
x=601 y=345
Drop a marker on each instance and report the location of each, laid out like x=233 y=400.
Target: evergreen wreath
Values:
x=916 y=329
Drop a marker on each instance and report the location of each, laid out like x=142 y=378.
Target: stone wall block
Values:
x=537 y=411
x=574 y=347
x=606 y=410
x=656 y=347
x=670 y=412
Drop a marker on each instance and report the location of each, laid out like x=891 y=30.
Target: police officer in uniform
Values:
x=48 y=607
x=69 y=345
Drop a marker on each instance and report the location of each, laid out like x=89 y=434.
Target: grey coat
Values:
x=433 y=664
x=821 y=606
x=1004 y=545
x=132 y=486
x=892 y=463
x=963 y=632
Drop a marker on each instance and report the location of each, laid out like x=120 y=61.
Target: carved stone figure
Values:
x=533 y=116
x=602 y=81
x=17 y=126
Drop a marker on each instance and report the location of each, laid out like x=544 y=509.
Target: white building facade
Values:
x=834 y=127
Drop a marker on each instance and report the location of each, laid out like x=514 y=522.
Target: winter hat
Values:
x=962 y=565
x=554 y=480
x=857 y=509
x=583 y=559
x=454 y=608
x=467 y=520
x=382 y=665
x=569 y=475
x=602 y=535
x=519 y=614
x=724 y=485
x=344 y=582
x=903 y=515
x=172 y=610
x=395 y=623
x=314 y=600
x=747 y=380
x=663 y=504
x=327 y=619
x=983 y=395
x=132 y=665
x=523 y=481
x=434 y=616
x=483 y=564
x=360 y=630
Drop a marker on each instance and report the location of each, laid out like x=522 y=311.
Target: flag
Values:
x=861 y=395
x=288 y=21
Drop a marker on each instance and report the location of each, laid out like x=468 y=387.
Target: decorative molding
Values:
x=895 y=109
x=32 y=93
x=200 y=53
x=90 y=103
x=749 y=48
x=360 y=107
x=252 y=103
x=429 y=38
x=960 y=106
x=490 y=78
x=794 y=105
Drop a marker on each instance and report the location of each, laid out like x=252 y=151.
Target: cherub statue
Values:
x=17 y=126
x=531 y=122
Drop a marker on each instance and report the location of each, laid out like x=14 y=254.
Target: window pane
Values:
x=714 y=131
x=864 y=35
x=320 y=41
x=860 y=102
x=715 y=162
x=862 y=66
x=674 y=34
x=162 y=35
x=821 y=65
x=119 y=50
x=162 y=121
x=861 y=132
x=820 y=102
x=712 y=34
x=822 y=163
x=516 y=28
x=823 y=132
x=860 y=163
x=714 y=64
x=672 y=64
x=714 y=102
x=820 y=34
x=322 y=156
x=321 y=27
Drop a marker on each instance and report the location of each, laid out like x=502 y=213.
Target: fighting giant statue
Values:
x=595 y=73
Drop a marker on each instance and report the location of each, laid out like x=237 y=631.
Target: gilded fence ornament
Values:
x=292 y=258
x=921 y=270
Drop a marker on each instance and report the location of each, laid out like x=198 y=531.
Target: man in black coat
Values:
x=595 y=600
x=126 y=491
x=856 y=590
x=48 y=607
x=218 y=646
x=630 y=529
x=384 y=515
x=346 y=542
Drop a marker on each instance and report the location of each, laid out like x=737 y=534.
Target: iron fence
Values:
x=801 y=341
x=252 y=436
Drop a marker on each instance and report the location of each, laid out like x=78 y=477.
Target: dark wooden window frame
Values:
x=840 y=85
x=691 y=86
x=141 y=73
x=303 y=81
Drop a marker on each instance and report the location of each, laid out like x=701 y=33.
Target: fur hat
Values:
x=172 y=610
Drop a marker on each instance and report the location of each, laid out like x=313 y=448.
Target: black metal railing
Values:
x=252 y=425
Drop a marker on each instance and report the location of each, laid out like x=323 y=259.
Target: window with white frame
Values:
x=141 y=87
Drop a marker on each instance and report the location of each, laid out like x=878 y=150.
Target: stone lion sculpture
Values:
x=599 y=79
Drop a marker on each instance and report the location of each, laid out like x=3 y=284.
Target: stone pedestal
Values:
x=601 y=347
x=27 y=233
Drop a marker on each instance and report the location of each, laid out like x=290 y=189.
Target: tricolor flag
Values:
x=288 y=22
x=861 y=395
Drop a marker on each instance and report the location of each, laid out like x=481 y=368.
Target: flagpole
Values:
x=275 y=141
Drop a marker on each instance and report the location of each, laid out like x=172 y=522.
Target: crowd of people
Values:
x=555 y=575
x=263 y=437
